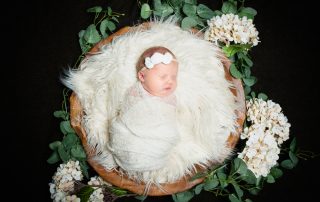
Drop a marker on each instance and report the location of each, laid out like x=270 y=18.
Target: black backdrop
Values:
x=44 y=41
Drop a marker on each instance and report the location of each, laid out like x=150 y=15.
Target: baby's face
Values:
x=161 y=80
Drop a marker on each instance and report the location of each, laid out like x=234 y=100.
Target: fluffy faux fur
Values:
x=206 y=107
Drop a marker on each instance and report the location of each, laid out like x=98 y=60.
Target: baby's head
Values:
x=157 y=70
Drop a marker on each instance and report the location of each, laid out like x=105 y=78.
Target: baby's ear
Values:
x=141 y=76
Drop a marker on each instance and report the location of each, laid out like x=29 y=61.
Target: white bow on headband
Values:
x=157 y=58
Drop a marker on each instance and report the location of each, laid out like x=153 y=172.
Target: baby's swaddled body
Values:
x=145 y=131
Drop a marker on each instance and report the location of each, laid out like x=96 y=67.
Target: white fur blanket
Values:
x=205 y=105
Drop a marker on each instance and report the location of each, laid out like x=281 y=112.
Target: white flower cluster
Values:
x=97 y=195
x=269 y=129
x=63 y=181
x=231 y=28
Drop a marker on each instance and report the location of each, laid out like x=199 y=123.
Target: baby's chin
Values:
x=166 y=92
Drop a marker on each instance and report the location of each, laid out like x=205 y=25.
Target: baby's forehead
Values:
x=171 y=68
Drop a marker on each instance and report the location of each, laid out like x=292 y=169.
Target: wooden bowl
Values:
x=122 y=181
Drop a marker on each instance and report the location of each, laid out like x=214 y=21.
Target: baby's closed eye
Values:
x=163 y=76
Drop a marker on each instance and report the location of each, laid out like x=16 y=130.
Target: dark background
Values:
x=41 y=40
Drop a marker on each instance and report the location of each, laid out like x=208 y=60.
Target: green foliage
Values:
x=183 y=196
x=293 y=156
x=103 y=25
x=141 y=197
x=70 y=147
x=84 y=193
x=190 y=14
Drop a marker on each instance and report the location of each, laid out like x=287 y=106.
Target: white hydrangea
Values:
x=229 y=28
x=269 y=129
x=97 y=195
x=63 y=181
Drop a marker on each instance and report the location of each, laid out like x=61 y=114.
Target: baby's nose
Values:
x=170 y=81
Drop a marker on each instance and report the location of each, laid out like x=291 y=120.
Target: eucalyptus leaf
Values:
x=70 y=140
x=109 y=11
x=103 y=28
x=288 y=164
x=250 y=81
x=276 y=172
x=141 y=197
x=190 y=10
x=249 y=177
x=229 y=7
x=205 y=12
x=62 y=128
x=166 y=10
x=91 y=34
x=111 y=26
x=247 y=90
x=96 y=9
x=247 y=60
x=293 y=158
x=61 y=114
x=54 y=145
x=233 y=198
x=211 y=183
x=85 y=47
x=118 y=191
x=54 y=158
x=188 y=22
x=178 y=14
x=191 y=1
x=63 y=154
x=66 y=127
x=239 y=166
x=200 y=21
x=293 y=145
x=222 y=179
x=253 y=94
x=235 y=72
x=198 y=188
x=145 y=11
x=176 y=3
x=270 y=179
x=85 y=193
x=157 y=4
x=247 y=71
x=217 y=13
x=183 y=196
x=263 y=96
x=237 y=189
x=81 y=33
x=247 y=11
x=78 y=152
x=236 y=164
x=254 y=191
x=84 y=168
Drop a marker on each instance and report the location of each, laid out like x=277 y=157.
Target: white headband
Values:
x=157 y=58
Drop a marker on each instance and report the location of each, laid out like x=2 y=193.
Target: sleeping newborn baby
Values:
x=145 y=131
